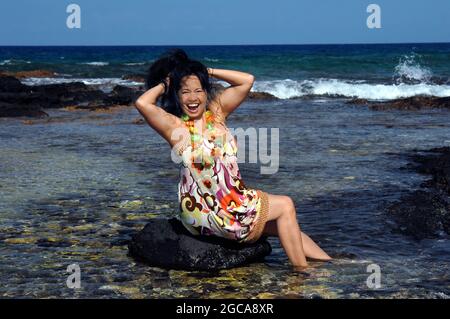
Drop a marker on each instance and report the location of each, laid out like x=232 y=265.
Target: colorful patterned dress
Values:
x=213 y=198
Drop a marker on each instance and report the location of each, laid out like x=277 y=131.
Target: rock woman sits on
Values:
x=212 y=195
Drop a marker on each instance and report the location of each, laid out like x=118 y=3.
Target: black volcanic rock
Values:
x=411 y=103
x=437 y=164
x=414 y=103
x=122 y=95
x=261 y=96
x=426 y=213
x=422 y=214
x=16 y=110
x=167 y=244
x=63 y=94
x=17 y=99
x=11 y=84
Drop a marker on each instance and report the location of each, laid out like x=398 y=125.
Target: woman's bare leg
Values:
x=311 y=249
x=282 y=211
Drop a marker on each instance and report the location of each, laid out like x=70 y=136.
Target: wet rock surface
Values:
x=426 y=213
x=261 y=96
x=17 y=99
x=166 y=243
x=32 y=73
x=410 y=103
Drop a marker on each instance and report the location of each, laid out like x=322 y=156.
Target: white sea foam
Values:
x=285 y=89
x=135 y=63
x=105 y=84
x=99 y=63
x=211 y=59
x=11 y=62
x=410 y=70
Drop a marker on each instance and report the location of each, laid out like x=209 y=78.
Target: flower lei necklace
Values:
x=206 y=160
x=195 y=137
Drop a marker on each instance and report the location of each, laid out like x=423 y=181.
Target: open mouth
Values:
x=193 y=106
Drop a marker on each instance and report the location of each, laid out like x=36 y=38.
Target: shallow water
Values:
x=74 y=189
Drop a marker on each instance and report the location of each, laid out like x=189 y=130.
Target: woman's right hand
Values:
x=166 y=83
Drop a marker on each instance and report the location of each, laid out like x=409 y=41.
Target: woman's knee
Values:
x=281 y=206
x=289 y=207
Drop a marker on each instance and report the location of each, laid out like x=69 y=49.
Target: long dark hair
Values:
x=176 y=64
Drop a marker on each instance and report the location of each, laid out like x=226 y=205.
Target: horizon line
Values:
x=200 y=45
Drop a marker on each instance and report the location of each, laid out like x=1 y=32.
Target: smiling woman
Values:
x=188 y=79
x=192 y=97
x=212 y=195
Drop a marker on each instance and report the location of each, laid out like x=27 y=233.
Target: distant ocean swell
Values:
x=288 y=89
x=407 y=79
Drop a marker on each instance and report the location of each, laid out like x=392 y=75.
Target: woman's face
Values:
x=192 y=97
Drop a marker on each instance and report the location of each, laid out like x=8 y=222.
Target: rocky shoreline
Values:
x=410 y=103
x=18 y=99
x=425 y=213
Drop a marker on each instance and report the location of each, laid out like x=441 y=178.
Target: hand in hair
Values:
x=166 y=82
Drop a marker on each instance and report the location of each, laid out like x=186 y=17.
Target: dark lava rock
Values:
x=261 y=96
x=358 y=102
x=27 y=74
x=413 y=103
x=11 y=84
x=123 y=95
x=17 y=99
x=16 y=110
x=426 y=213
x=422 y=214
x=437 y=164
x=410 y=103
x=167 y=244
x=64 y=94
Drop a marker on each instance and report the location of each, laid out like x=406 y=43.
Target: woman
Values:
x=213 y=198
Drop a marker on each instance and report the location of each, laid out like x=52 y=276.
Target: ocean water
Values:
x=364 y=71
x=75 y=186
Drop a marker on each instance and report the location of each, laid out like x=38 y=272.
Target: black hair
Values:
x=176 y=64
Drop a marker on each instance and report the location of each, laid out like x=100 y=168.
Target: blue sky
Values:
x=210 y=22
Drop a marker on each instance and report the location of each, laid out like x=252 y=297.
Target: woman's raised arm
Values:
x=160 y=120
x=233 y=96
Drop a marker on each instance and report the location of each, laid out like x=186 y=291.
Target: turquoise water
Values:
x=76 y=185
x=365 y=71
x=74 y=188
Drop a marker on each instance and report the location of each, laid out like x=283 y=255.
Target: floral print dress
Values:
x=212 y=196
